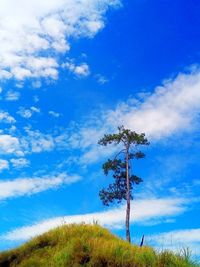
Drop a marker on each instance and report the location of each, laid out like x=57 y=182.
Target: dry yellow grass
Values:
x=87 y=245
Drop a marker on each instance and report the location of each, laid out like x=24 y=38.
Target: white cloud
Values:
x=85 y=139
x=12 y=129
x=32 y=141
x=6 y=117
x=81 y=70
x=4 y=164
x=170 y=109
x=177 y=239
x=144 y=210
x=20 y=163
x=34 y=109
x=36 y=84
x=31 y=32
x=12 y=96
x=101 y=79
x=27 y=113
x=4 y=74
x=36 y=142
x=29 y=186
x=54 y=114
x=9 y=145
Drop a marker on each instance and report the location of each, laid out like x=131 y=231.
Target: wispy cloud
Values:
x=12 y=95
x=32 y=185
x=144 y=210
x=101 y=79
x=171 y=109
x=20 y=163
x=36 y=142
x=54 y=114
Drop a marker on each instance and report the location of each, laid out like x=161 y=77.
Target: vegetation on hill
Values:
x=87 y=245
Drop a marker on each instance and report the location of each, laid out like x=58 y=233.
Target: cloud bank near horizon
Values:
x=177 y=240
x=145 y=210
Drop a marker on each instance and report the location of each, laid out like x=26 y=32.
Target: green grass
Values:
x=88 y=245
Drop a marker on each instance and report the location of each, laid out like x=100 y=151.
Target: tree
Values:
x=120 y=167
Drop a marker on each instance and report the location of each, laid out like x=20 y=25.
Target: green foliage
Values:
x=89 y=246
x=117 y=191
x=125 y=136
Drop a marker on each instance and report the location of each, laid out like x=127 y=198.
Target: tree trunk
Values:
x=128 y=204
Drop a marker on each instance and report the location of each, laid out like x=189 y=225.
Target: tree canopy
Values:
x=120 y=167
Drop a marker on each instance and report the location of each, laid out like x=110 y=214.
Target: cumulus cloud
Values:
x=20 y=163
x=32 y=185
x=144 y=210
x=4 y=164
x=27 y=113
x=9 y=145
x=54 y=114
x=81 y=70
x=31 y=140
x=6 y=117
x=12 y=95
x=33 y=34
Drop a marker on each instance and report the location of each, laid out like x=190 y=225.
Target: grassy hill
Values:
x=87 y=245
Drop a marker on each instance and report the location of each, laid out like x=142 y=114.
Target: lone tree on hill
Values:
x=120 y=166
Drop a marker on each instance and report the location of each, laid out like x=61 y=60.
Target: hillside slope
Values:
x=86 y=245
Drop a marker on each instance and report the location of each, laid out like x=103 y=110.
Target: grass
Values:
x=90 y=246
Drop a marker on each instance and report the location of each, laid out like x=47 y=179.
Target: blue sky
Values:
x=71 y=71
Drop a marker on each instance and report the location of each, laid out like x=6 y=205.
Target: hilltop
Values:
x=87 y=245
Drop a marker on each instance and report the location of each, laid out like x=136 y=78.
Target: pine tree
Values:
x=120 y=167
